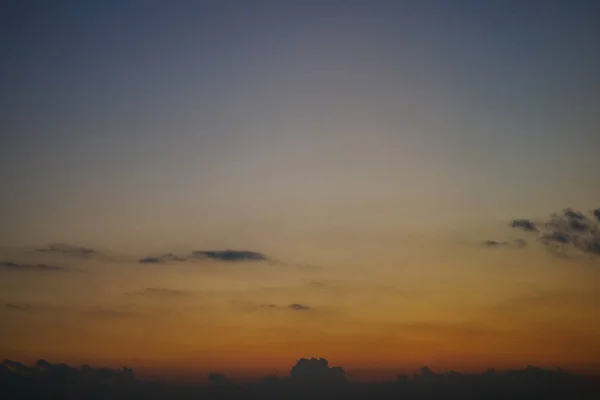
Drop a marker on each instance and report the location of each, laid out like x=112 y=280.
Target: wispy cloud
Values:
x=67 y=249
x=94 y=312
x=298 y=307
x=111 y=313
x=12 y=266
x=229 y=255
x=517 y=243
x=292 y=307
x=162 y=293
x=218 y=255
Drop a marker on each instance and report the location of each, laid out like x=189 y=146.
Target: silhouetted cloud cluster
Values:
x=571 y=229
x=218 y=255
x=562 y=232
x=309 y=378
x=317 y=371
x=62 y=248
x=46 y=380
x=12 y=266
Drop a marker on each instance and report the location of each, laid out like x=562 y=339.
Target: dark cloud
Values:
x=524 y=224
x=152 y=260
x=28 y=307
x=298 y=307
x=220 y=255
x=8 y=265
x=555 y=237
x=589 y=245
x=517 y=243
x=293 y=307
x=163 y=293
x=162 y=259
x=492 y=243
x=229 y=255
x=218 y=379
x=317 y=371
x=308 y=379
x=565 y=233
x=572 y=214
x=62 y=248
x=13 y=306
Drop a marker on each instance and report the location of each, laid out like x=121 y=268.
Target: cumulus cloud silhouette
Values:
x=565 y=233
x=524 y=224
x=308 y=379
x=12 y=266
x=317 y=371
x=62 y=248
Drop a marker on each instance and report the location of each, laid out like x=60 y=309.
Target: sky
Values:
x=384 y=174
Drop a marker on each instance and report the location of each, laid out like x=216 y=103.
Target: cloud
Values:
x=492 y=243
x=293 y=307
x=298 y=307
x=321 y=380
x=20 y=307
x=317 y=371
x=152 y=260
x=269 y=306
x=30 y=267
x=219 y=255
x=84 y=311
x=517 y=243
x=62 y=248
x=555 y=237
x=229 y=255
x=524 y=224
x=218 y=379
x=28 y=307
x=564 y=233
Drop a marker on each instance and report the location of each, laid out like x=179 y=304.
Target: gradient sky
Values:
x=367 y=148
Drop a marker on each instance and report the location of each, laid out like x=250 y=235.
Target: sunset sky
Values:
x=383 y=173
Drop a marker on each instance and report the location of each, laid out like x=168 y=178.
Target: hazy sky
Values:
x=366 y=148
